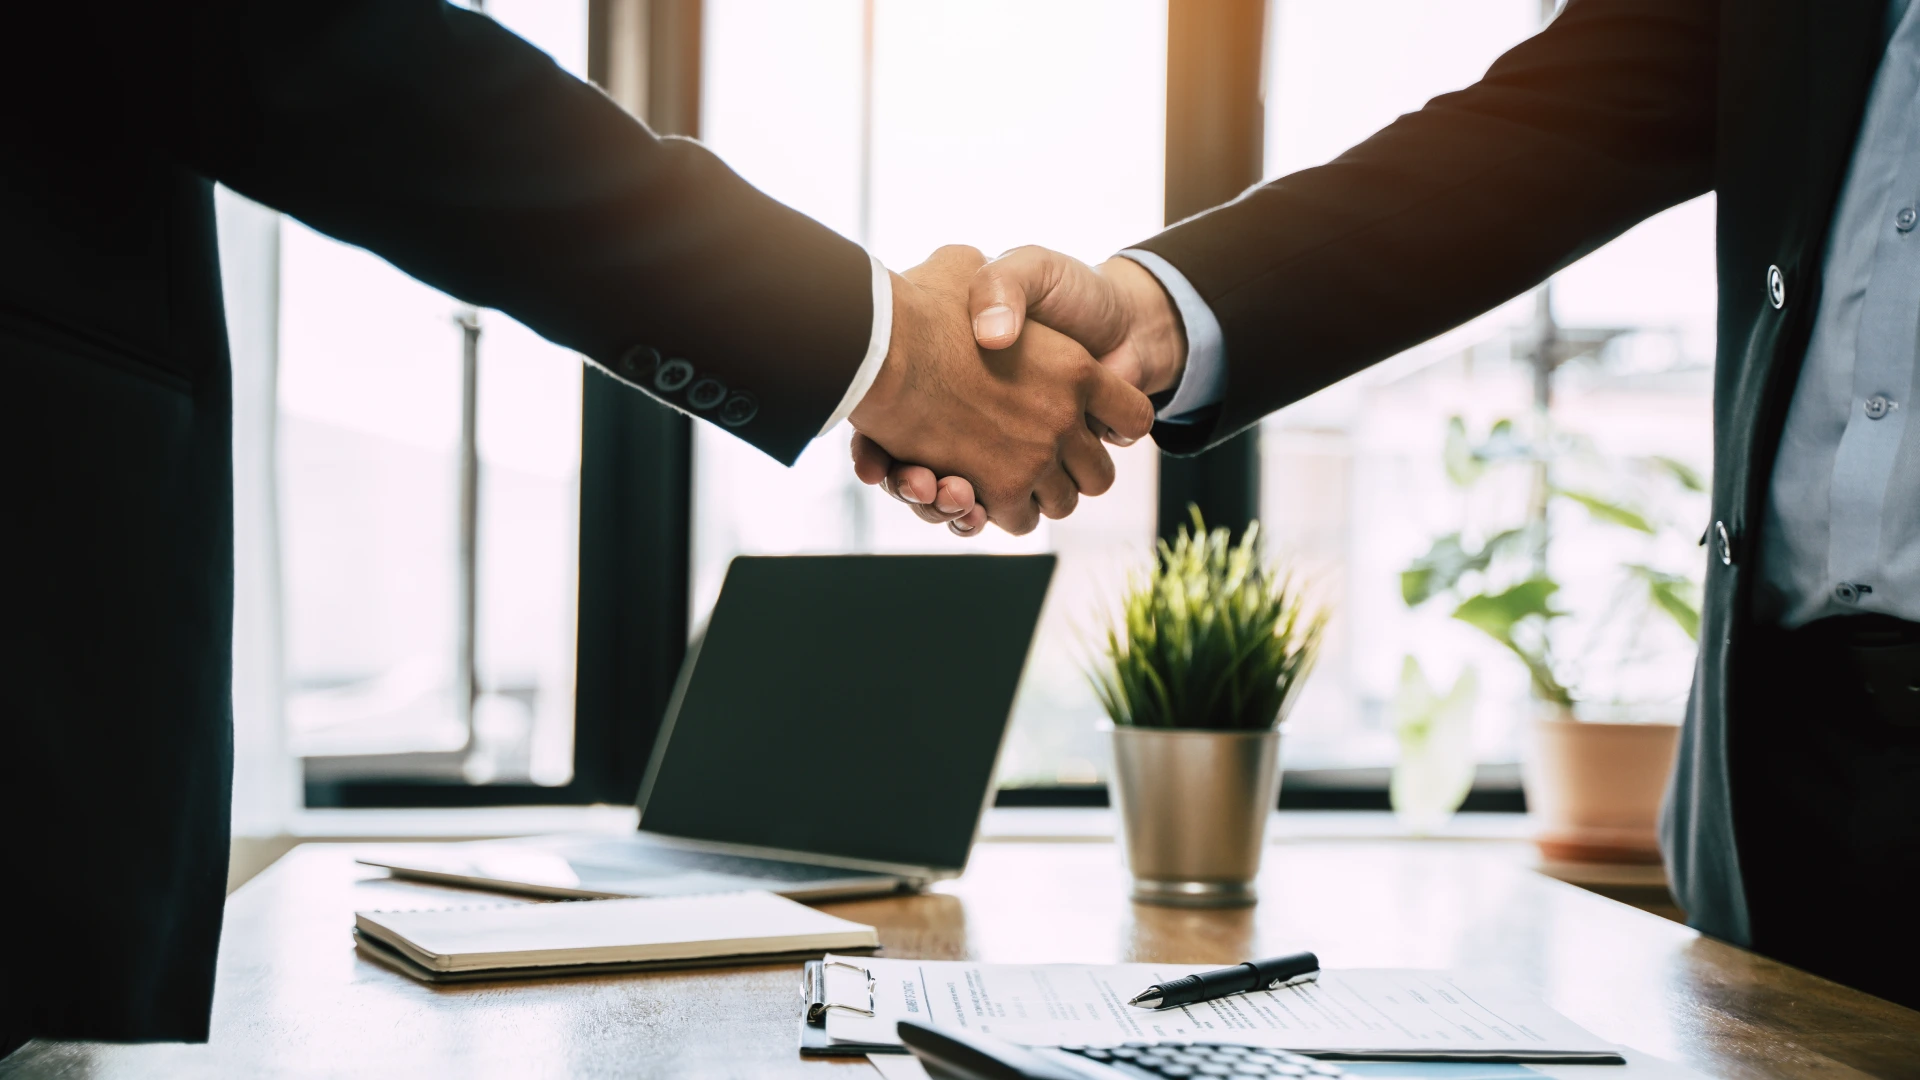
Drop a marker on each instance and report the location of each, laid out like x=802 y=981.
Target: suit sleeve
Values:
x=440 y=141
x=1600 y=120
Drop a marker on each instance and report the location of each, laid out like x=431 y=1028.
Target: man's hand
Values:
x=1014 y=424
x=935 y=499
x=1118 y=312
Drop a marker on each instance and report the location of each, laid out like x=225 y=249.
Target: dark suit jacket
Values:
x=426 y=134
x=1617 y=110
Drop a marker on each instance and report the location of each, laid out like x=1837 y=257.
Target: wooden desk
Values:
x=294 y=999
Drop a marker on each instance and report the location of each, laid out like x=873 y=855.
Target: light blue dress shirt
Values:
x=1842 y=529
x=1841 y=533
x=1204 y=380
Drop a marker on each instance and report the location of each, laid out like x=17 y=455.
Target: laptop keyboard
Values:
x=1179 y=1060
x=628 y=858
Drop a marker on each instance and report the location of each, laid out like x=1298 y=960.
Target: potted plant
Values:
x=1594 y=774
x=1211 y=646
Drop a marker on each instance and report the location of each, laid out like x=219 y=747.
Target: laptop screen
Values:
x=849 y=706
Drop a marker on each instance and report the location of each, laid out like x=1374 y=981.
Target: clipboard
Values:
x=815 y=1005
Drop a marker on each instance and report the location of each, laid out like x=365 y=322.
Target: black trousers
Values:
x=1826 y=784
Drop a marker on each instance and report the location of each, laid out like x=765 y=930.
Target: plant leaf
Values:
x=1666 y=595
x=1439 y=569
x=1497 y=613
x=1686 y=475
x=1673 y=594
x=1463 y=466
x=1610 y=512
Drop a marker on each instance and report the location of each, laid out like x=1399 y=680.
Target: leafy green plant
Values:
x=1212 y=637
x=1501 y=586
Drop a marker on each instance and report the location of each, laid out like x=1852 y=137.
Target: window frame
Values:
x=636 y=472
x=636 y=477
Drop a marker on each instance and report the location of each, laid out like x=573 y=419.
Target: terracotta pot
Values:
x=1595 y=788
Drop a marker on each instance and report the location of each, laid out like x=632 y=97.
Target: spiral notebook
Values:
x=601 y=936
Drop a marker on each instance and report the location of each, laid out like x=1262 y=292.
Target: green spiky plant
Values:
x=1210 y=638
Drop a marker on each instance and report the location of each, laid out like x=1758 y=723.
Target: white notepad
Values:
x=652 y=932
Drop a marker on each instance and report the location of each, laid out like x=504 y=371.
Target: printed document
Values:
x=1380 y=1013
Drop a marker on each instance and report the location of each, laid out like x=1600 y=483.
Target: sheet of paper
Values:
x=1638 y=1067
x=898 y=1067
x=1355 y=1011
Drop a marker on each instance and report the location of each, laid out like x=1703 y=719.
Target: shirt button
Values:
x=1846 y=593
x=1776 y=287
x=1878 y=406
x=1906 y=219
x=672 y=376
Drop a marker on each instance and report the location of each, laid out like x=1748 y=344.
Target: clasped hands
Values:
x=1004 y=379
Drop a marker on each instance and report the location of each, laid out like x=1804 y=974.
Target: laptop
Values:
x=833 y=733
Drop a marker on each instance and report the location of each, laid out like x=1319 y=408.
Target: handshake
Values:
x=1004 y=379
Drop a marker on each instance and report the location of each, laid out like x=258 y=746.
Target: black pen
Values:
x=1238 y=979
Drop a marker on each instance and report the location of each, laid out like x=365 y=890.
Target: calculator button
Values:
x=1212 y=1069
x=1097 y=1053
x=1324 y=1069
x=1251 y=1068
x=1236 y=1051
x=1124 y=1053
x=1176 y=1070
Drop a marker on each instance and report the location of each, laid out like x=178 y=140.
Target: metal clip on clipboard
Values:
x=816 y=988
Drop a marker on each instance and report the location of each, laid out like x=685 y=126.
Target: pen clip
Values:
x=1282 y=984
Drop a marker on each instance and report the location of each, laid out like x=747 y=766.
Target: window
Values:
x=906 y=124
x=992 y=123
x=378 y=601
x=1353 y=478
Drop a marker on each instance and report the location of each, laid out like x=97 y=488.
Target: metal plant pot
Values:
x=1194 y=807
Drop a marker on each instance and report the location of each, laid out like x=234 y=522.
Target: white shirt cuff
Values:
x=1204 y=381
x=877 y=347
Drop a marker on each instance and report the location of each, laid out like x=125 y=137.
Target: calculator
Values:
x=953 y=1055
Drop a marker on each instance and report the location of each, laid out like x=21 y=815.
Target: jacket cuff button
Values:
x=706 y=393
x=672 y=376
x=739 y=409
x=638 y=363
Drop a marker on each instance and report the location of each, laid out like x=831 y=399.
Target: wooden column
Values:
x=1216 y=121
